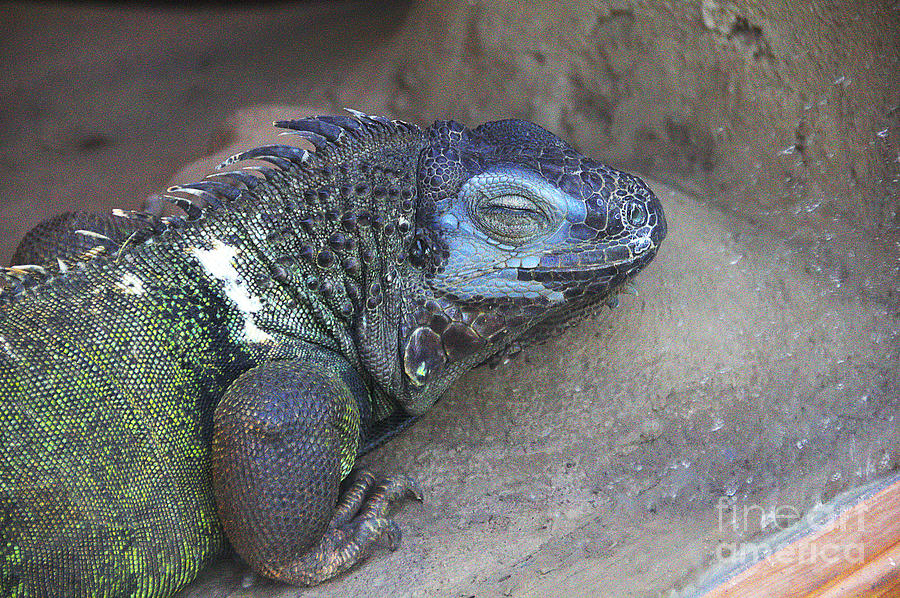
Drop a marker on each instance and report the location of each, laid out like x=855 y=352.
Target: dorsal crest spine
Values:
x=219 y=190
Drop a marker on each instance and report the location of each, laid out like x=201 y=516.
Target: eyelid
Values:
x=513 y=201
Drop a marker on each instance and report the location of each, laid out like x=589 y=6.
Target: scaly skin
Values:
x=167 y=382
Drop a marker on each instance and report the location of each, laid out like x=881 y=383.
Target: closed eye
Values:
x=512 y=211
x=512 y=207
x=511 y=218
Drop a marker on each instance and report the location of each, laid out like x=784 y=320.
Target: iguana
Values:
x=168 y=382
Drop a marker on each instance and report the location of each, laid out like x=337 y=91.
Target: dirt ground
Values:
x=612 y=461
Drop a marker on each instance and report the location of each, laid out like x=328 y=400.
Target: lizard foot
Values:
x=359 y=523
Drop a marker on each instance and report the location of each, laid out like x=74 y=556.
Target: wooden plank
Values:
x=856 y=554
x=877 y=578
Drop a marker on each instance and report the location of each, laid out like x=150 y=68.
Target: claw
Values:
x=390 y=535
x=357 y=526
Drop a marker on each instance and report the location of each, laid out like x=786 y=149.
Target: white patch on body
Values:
x=253 y=333
x=218 y=262
x=130 y=284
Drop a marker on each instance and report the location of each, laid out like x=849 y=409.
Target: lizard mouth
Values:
x=605 y=262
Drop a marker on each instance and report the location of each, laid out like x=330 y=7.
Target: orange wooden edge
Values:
x=877 y=578
x=859 y=556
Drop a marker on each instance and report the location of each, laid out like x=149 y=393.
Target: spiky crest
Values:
x=221 y=189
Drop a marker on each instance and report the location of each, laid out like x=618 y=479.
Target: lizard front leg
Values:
x=285 y=436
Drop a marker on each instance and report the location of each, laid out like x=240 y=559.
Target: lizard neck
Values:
x=322 y=255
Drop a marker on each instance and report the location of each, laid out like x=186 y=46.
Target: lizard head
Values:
x=521 y=235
